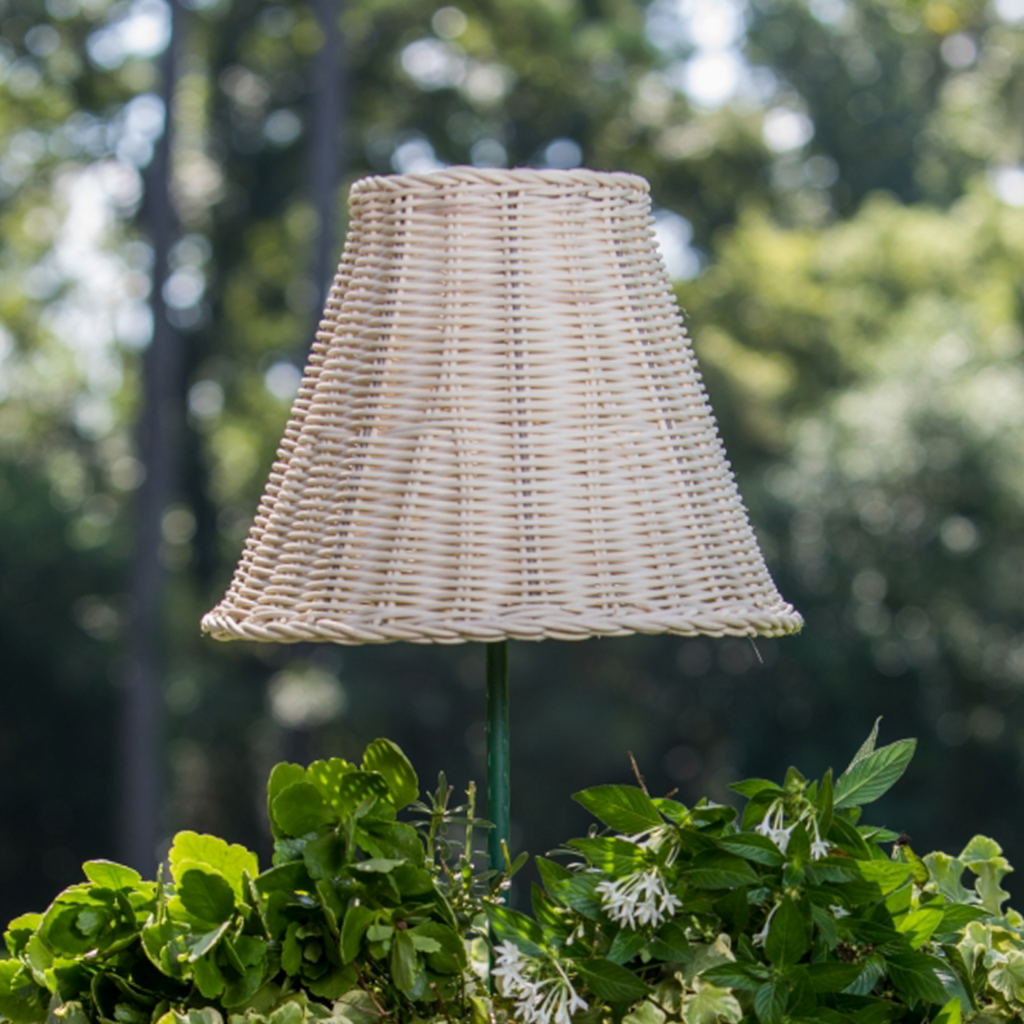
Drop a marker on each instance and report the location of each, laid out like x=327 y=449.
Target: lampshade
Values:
x=502 y=433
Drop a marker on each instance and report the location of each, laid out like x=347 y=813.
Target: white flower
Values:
x=780 y=837
x=550 y=1000
x=819 y=849
x=639 y=899
x=838 y=911
x=510 y=966
x=762 y=935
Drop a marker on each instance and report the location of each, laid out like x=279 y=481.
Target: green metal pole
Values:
x=497 y=753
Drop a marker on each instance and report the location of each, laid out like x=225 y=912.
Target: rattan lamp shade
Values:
x=502 y=433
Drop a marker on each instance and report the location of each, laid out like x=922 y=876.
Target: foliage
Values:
x=790 y=910
x=359 y=911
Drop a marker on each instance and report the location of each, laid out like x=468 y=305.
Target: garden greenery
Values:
x=789 y=911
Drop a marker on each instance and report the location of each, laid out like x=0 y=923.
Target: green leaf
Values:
x=770 y=1001
x=616 y=856
x=232 y=861
x=610 y=982
x=624 y=808
x=881 y=876
x=826 y=803
x=517 y=928
x=377 y=865
x=335 y=983
x=1008 y=976
x=831 y=976
x=403 y=962
x=915 y=975
x=358 y=790
x=984 y=857
x=753 y=846
x=326 y=776
x=551 y=873
x=281 y=777
x=919 y=925
x=743 y=975
x=353 y=928
x=208 y=977
x=626 y=945
x=645 y=1013
x=109 y=875
x=871 y=776
x=206 y=896
x=450 y=957
x=717 y=870
x=670 y=943
x=709 y=1004
x=787 y=939
x=385 y=758
x=752 y=787
x=946 y=872
x=201 y=944
x=949 y=1014
x=300 y=808
x=826 y=925
x=868 y=746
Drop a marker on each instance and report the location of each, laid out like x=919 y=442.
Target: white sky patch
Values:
x=713 y=24
x=1010 y=11
x=282 y=380
x=785 y=129
x=415 y=156
x=712 y=77
x=1007 y=184
x=143 y=31
x=103 y=305
x=673 y=234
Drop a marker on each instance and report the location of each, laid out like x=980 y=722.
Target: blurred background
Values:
x=839 y=193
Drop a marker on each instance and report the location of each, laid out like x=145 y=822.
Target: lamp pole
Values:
x=497 y=753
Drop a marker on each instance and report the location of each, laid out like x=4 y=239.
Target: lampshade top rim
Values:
x=448 y=177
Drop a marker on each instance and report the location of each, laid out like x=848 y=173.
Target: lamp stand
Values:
x=497 y=753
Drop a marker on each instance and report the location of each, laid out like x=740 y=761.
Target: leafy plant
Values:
x=789 y=911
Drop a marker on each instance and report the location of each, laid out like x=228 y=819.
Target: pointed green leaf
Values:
x=610 y=982
x=353 y=928
x=950 y=1013
x=626 y=809
x=868 y=746
x=754 y=847
x=770 y=1001
x=743 y=975
x=719 y=870
x=752 y=787
x=787 y=939
x=522 y=931
x=871 y=776
x=915 y=975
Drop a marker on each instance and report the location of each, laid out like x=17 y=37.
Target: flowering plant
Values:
x=790 y=911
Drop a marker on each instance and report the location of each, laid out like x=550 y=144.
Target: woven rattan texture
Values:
x=502 y=432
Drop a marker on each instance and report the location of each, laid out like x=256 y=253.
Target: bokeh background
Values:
x=840 y=200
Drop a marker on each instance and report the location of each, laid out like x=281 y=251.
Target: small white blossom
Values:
x=550 y=1000
x=819 y=849
x=780 y=837
x=638 y=900
x=838 y=911
x=762 y=935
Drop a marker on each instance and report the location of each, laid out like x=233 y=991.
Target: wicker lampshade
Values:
x=502 y=433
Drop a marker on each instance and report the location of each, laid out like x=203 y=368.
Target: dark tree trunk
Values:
x=159 y=429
